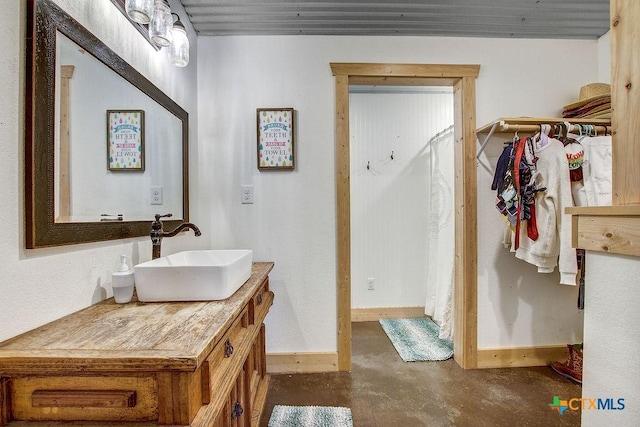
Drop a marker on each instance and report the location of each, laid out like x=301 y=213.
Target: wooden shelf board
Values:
x=609 y=229
x=630 y=210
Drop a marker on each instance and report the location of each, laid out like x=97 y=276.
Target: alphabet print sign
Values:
x=125 y=140
x=275 y=138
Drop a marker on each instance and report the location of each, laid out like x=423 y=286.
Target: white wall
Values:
x=41 y=285
x=611 y=341
x=293 y=219
x=390 y=201
x=604 y=58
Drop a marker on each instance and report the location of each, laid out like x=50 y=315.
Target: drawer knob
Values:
x=228 y=348
x=237 y=411
x=259 y=299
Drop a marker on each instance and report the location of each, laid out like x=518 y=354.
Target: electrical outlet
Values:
x=247 y=194
x=156 y=195
x=371 y=283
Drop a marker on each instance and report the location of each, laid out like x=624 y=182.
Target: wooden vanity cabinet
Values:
x=143 y=364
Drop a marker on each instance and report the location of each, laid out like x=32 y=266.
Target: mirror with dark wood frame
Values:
x=46 y=22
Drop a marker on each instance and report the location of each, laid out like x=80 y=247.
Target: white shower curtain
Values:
x=441 y=250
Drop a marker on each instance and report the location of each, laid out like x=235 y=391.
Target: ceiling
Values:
x=552 y=19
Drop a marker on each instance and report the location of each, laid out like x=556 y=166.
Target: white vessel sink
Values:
x=205 y=275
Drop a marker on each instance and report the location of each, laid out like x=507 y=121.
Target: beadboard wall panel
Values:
x=390 y=200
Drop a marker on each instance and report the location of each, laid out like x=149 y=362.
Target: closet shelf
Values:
x=530 y=124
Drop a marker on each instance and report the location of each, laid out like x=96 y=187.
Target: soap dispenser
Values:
x=122 y=282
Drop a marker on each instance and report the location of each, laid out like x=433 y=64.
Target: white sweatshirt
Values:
x=595 y=189
x=553 y=246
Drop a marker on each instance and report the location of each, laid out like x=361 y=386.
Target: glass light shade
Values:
x=139 y=10
x=179 y=49
x=161 y=23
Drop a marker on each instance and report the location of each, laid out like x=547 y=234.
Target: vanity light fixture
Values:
x=162 y=27
x=161 y=23
x=139 y=10
x=179 y=49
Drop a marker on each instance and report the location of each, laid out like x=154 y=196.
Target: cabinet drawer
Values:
x=259 y=302
x=85 y=398
x=216 y=366
x=235 y=412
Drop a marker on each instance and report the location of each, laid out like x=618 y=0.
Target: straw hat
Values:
x=590 y=92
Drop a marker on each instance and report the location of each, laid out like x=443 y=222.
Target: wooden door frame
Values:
x=462 y=78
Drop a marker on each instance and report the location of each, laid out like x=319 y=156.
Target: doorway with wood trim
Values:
x=462 y=79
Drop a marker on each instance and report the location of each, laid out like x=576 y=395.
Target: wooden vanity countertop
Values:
x=168 y=336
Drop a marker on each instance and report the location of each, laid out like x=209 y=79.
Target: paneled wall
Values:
x=390 y=201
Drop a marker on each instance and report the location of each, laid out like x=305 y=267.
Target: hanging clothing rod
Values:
x=502 y=126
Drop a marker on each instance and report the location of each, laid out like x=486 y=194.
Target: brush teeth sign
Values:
x=125 y=140
x=275 y=139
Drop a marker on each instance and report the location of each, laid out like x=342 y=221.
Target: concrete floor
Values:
x=384 y=391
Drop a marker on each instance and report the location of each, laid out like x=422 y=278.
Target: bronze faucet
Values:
x=157 y=233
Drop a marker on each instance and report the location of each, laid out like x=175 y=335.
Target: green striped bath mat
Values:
x=310 y=416
x=416 y=339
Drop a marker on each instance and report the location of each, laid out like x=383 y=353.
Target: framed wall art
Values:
x=275 y=138
x=125 y=140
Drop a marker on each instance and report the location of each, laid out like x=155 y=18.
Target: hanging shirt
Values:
x=597 y=170
x=507 y=196
x=501 y=169
x=553 y=246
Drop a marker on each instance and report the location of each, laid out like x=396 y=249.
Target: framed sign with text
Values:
x=275 y=138
x=125 y=140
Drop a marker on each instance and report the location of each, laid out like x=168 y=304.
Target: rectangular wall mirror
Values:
x=105 y=148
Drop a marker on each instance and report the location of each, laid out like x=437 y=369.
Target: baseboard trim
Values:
x=519 y=357
x=516 y=357
x=376 y=313
x=299 y=363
